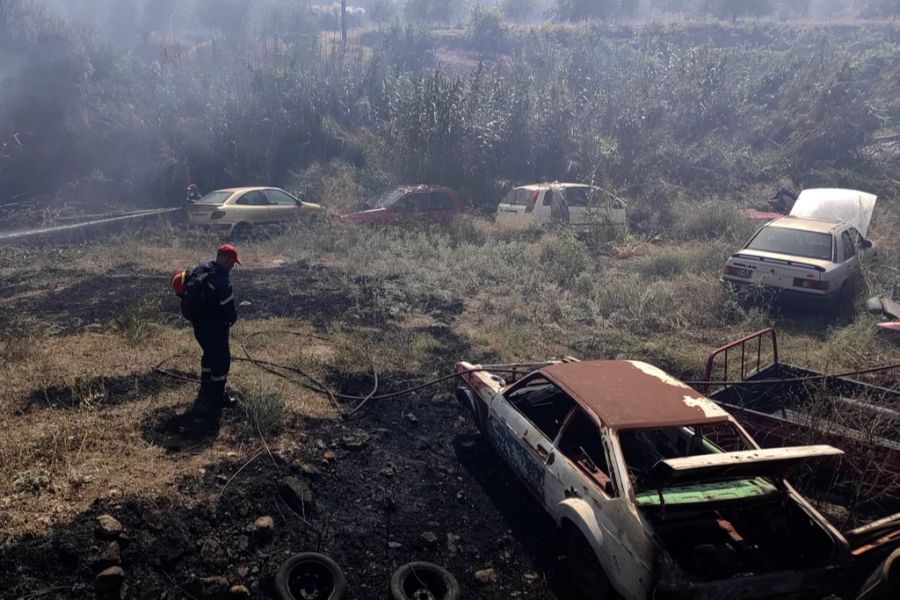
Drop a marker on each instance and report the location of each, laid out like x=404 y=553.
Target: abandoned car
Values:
x=813 y=254
x=236 y=211
x=575 y=203
x=658 y=491
x=407 y=203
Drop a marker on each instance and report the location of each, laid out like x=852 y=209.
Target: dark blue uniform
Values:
x=216 y=315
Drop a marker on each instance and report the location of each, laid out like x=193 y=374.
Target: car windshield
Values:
x=385 y=199
x=216 y=198
x=795 y=242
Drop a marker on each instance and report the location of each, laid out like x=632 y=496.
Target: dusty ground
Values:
x=88 y=426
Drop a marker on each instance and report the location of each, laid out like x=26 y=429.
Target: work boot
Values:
x=221 y=398
x=229 y=401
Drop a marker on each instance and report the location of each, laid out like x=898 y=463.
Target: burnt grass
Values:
x=318 y=294
x=408 y=479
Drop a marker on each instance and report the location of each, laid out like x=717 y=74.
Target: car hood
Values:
x=847 y=206
x=744 y=464
x=788 y=258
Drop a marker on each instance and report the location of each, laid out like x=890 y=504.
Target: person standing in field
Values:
x=207 y=300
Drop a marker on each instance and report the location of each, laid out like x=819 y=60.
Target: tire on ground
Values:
x=310 y=576
x=419 y=580
x=587 y=572
x=240 y=232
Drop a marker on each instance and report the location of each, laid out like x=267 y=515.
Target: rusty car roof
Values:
x=629 y=394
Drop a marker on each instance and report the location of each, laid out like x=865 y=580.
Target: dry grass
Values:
x=526 y=295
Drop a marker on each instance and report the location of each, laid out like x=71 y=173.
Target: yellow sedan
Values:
x=236 y=211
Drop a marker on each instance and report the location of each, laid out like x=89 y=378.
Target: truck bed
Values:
x=860 y=418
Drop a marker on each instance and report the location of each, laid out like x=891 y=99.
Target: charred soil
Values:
x=407 y=480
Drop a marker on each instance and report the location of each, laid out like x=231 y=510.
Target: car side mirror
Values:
x=551 y=459
x=864 y=243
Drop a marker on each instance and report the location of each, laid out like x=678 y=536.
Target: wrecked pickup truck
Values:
x=657 y=490
x=780 y=403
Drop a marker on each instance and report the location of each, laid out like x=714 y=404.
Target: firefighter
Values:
x=213 y=316
x=192 y=194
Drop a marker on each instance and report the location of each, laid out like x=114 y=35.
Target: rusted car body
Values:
x=659 y=492
x=782 y=404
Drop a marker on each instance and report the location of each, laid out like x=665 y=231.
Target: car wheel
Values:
x=423 y=581
x=310 y=576
x=843 y=301
x=241 y=231
x=587 y=572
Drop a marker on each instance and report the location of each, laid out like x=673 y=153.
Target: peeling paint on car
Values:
x=709 y=408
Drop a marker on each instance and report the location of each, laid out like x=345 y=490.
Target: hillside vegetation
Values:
x=655 y=112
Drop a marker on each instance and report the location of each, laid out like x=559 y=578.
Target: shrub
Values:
x=706 y=220
x=264 y=409
x=486 y=30
x=564 y=258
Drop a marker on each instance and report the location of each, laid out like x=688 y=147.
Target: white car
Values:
x=236 y=211
x=813 y=254
x=545 y=203
x=658 y=491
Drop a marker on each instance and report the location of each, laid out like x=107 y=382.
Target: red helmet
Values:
x=178 y=280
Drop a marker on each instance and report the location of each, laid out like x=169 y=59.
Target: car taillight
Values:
x=218 y=214
x=811 y=284
x=737 y=271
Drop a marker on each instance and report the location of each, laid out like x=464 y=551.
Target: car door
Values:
x=253 y=208
x=441 y=207
x=282 y=206
x=577 y=199
x=541 y=212
x=411 y=207
x=850 y=267
x=523 y=422
x=579 y=468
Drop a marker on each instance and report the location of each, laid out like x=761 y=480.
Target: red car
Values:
x=406 y=203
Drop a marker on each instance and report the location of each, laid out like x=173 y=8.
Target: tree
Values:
x=486 y=29
x=382 y=11
x=228 y=16
x=433 y=11
x=732 y=10
x=585 y=10
x=154 y=15
x=881 y=8
x=519 y=10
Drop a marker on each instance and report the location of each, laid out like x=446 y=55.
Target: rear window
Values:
x=808 y=244
x=216 y=198
x=518 y=197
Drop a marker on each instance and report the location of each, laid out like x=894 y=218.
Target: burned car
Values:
x=657 y=490
x=812 y=255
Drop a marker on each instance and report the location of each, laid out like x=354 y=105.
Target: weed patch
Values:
x=264 y=409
